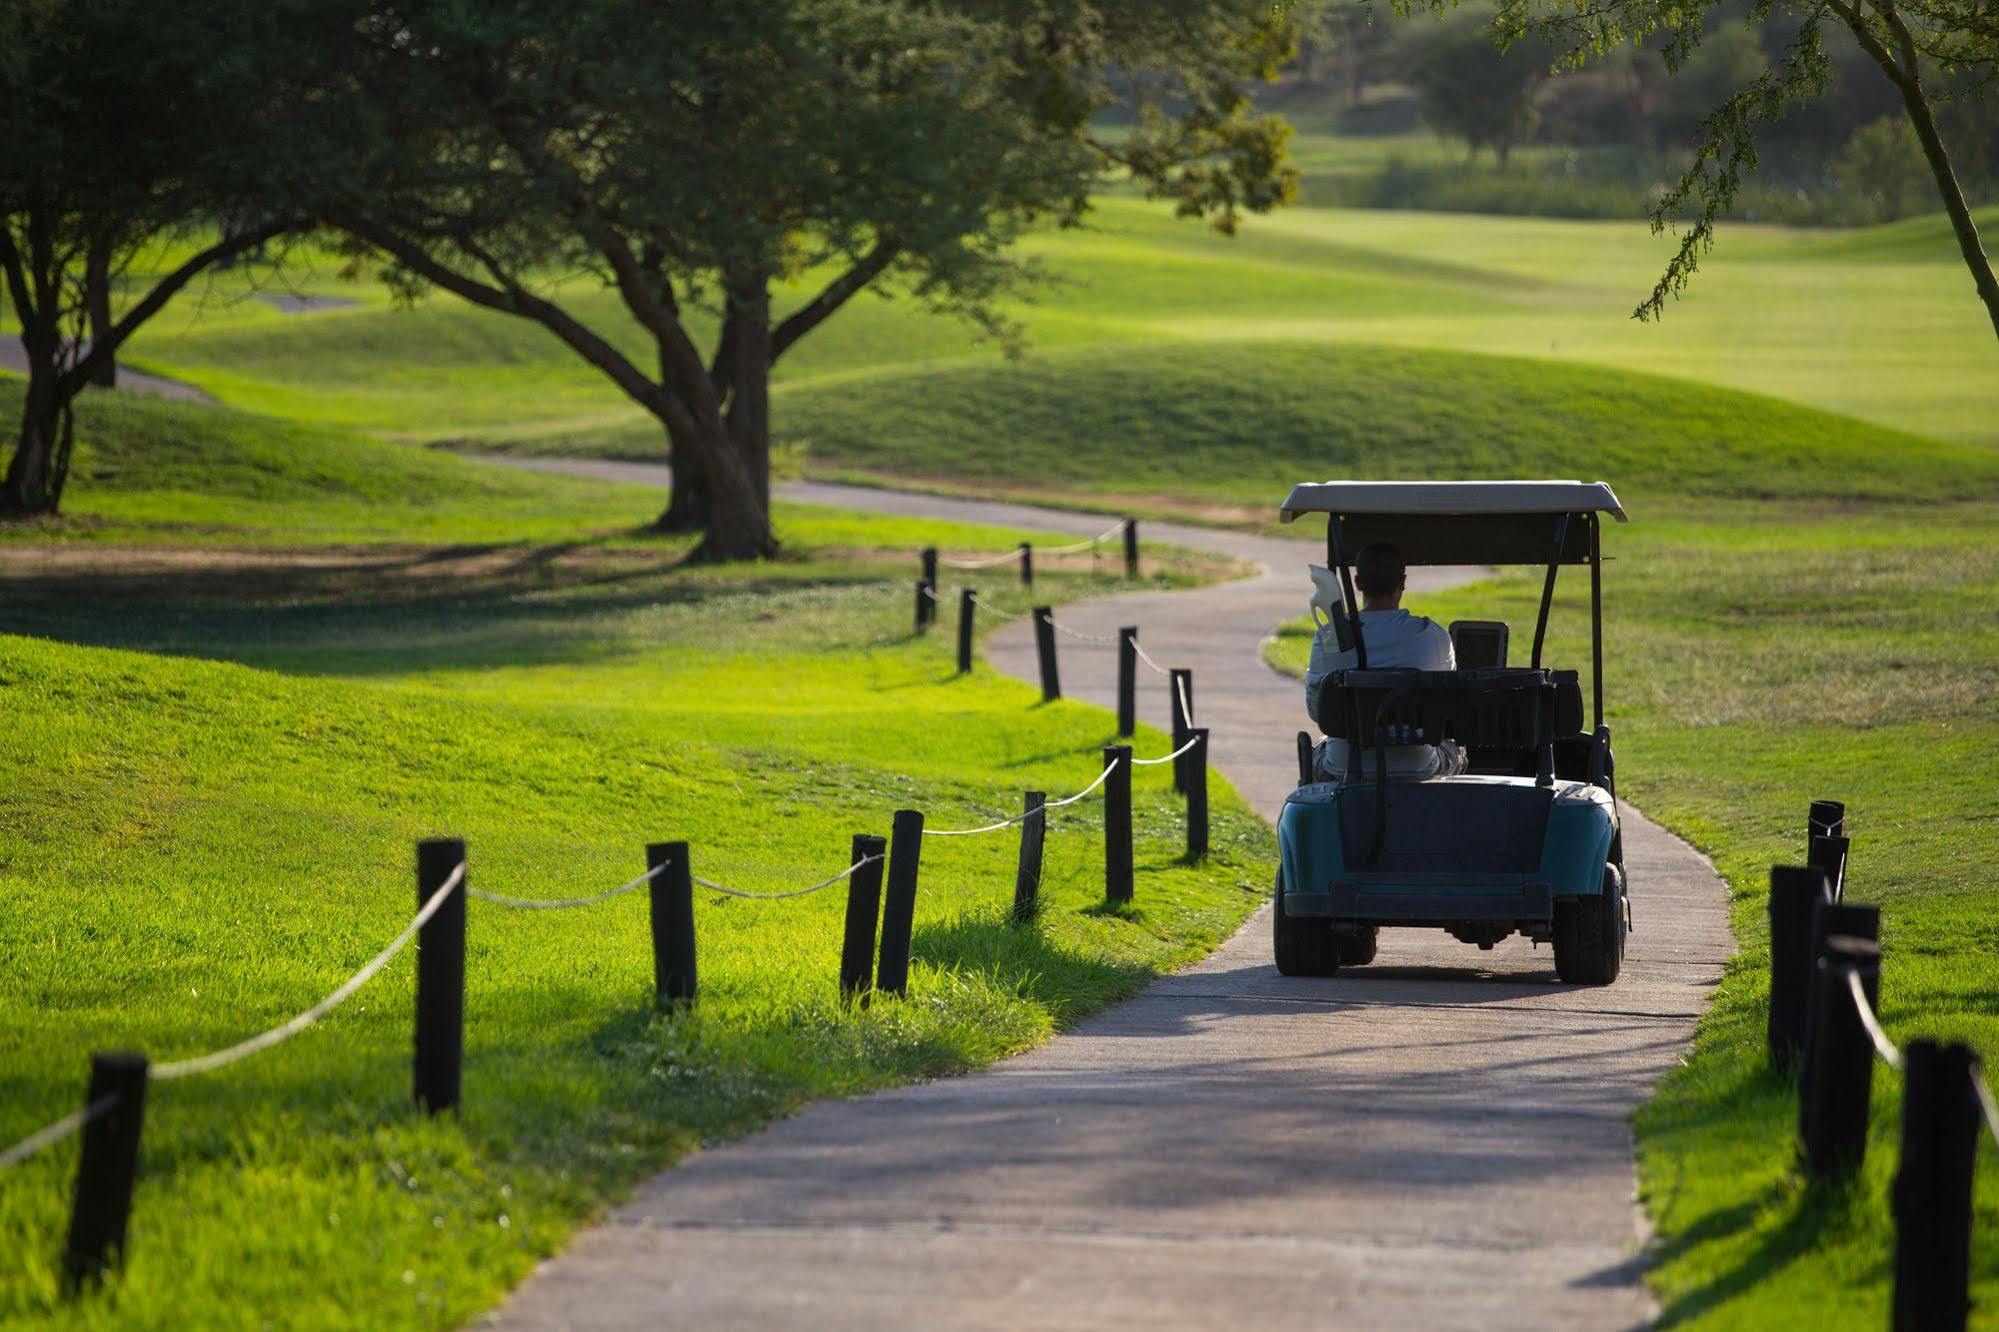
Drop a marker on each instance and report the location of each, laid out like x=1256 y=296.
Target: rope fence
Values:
x=109 y=1121
x=1825 y=1031
x=820 y=886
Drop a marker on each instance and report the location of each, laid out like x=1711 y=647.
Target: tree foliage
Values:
x=1471 y=91
x=1930 y=51
x=704 y=157
x=123 y=125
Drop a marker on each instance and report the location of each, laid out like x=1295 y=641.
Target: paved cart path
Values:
x=1440 y=1139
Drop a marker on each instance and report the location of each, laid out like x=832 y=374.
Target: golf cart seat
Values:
x=1498 y=707
x=1479 y=644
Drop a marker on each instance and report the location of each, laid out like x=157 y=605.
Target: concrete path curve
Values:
x=14 y=358
x=1440 y=1139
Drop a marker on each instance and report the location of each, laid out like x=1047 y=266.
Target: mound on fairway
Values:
x=1235 y=422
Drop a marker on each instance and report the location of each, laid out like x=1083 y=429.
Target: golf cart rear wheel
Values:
x=1357 y=950
x=1589 y=933
x=1304 y=945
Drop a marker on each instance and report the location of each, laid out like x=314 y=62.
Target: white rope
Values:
x=1098 y=639
x=1024 y=814
x=1139 y=648
x=1882 y=1045
x=55 y=1132
x=927 y=590
x=1167 y=758
x=1186 y=704
x=563 y=903
x=277 y=1035
x=846 y=873
x=1984 y=1094
x=1105 y=535
x=985 y=605
x=982 y=564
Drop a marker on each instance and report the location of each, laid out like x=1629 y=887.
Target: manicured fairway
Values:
x=217 y=771
x=1878 y=323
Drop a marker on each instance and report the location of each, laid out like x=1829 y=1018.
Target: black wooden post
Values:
x=922 y=605
x=1836 y=1083
x=1794 y=893
x=930 y=568
x=1827 y=819
x=1830 y=919
x=1197 y=795
x=673 y=972
x=905 y=856
x=1027 y=877
x=440 y=978
x=1932 y=1198
x=1130 y=549
x=1117 y=824
x=1181 y=681
x=1026 y=564
x=864 y=895
x=107 y=1167
x=1829 y=855
x=1127 y=680
x=1044 y=648
x=966 y=605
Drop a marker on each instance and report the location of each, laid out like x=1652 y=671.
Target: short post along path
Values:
x=1439 y=1139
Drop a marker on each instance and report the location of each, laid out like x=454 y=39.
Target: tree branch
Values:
x=515 y=300
x=105 y=348
x=834 y=295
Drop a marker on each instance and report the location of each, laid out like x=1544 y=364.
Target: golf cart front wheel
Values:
x=1304 y=945
x=1589 y=933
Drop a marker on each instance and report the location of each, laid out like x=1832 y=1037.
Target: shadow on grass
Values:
x=368 y=612
x=1811 y=1212
x=1022 y=959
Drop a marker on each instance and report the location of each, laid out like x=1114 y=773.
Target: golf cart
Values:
x=1526 y=838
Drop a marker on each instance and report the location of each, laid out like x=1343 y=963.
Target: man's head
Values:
x=1380 y=573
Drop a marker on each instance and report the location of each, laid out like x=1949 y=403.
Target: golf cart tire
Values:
x=1304 y=946
x=1589 y=934
x=1357 y=950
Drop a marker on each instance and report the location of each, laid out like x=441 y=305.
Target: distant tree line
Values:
x=737 y=171
x=1886 y=102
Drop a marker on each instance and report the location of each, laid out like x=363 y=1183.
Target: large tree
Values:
x=126 y=127
x=1930 y=51
x=705 y=159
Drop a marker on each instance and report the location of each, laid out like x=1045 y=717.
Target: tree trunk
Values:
x=1907 y=76
x=738 y=518
x=40 y=465
x=97 y=307
x=1961 y=222
x=687 y=506
x=749 y=378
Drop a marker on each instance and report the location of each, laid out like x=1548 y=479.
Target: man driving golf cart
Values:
x=1395 y=638
x=1516 y=829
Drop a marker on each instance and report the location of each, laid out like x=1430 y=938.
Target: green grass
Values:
x=1233 y=425
x=1760 y=657
x=1876 y=323
x=217 y=771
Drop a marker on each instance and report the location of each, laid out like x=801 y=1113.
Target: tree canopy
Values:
x=701 y=158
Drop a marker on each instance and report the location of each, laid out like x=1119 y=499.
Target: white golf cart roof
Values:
x=1450 y=498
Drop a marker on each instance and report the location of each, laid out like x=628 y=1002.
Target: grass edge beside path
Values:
x=197 y=780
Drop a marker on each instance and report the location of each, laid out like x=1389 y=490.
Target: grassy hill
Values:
x=1237 y=423
x=1874 y=323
